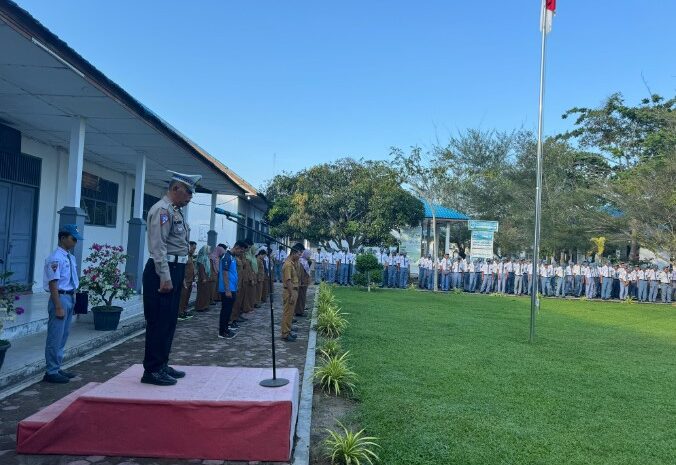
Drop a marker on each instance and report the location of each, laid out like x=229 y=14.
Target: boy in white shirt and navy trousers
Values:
x=61 y=280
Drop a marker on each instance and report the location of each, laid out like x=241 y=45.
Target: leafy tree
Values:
x=425 y=175
x=358 y=201
x=491 y=175
x=639 y=143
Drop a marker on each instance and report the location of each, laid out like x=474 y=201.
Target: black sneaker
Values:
x=158 y=378
x=57 y=378
x=176 y=374
x=227 y=335
x=182 y=317
x=289 y=338
x=67 y=374
x=234 y=325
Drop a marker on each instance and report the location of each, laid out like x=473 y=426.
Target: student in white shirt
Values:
x=485 y=271
x=456 y=276
x=652 y=281
x=623 y=276
x=509 y=275
x=642 y=284
x=559 y=275
x=577 y=280
x=472 y=270
x=317 y=259
x=568 y=283
x=518 y=276
x=392 y=275
x=445 y=266
x=606 y=273
x=404 y=270
x=351 y=263
x=665 y=282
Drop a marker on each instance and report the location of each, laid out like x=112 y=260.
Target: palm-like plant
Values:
x=348 y=448
x=334 y=374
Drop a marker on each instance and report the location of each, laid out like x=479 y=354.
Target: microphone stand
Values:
x=274 y=381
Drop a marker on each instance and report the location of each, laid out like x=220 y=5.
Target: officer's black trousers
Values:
x=161 y=313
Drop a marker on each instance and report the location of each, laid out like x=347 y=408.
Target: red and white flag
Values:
x=546 y=14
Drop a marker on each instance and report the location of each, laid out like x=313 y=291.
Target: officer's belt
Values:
x=177 y=258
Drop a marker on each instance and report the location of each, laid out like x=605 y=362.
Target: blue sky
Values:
x=305 y=82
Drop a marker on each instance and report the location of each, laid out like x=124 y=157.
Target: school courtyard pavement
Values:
x=195 y=343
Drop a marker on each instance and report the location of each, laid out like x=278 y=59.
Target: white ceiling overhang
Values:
x=41 y=91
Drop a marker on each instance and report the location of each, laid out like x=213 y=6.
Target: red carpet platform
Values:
x=213 y=413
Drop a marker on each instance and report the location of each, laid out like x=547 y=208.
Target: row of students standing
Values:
x=396 y=268
x=594 y=280
x=334 y=266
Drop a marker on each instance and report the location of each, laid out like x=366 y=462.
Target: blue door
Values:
x=5 y=198
x=17 y=228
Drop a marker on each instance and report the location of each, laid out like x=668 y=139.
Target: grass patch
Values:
x=452 y=379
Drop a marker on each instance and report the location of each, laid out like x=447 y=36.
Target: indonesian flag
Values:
x=546 y=15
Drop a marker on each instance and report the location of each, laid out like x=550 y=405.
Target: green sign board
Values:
x=480 y=225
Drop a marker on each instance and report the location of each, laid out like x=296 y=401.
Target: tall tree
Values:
x=425 y=176
x=358 y=201
x=629 y=137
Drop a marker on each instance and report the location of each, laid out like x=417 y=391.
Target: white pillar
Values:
x=139 y=185
x=75 y=161
x=136 y=238
x=448 y=237
x=212 y=235
x=212 y=220
x=71 y=213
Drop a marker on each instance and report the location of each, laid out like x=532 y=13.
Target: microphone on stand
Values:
x=228 y=214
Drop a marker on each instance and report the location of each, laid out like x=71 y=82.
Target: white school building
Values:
x=77 y=148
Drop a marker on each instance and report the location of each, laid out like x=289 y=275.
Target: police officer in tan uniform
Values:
x=168 y=244
x=291 y=282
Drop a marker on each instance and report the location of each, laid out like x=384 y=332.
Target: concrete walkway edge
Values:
x=301 y=453
x=33 y=374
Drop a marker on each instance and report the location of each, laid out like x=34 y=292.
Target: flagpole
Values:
x=534 y=301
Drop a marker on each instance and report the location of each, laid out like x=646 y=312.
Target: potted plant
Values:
x=9 y=298
x=104 y=281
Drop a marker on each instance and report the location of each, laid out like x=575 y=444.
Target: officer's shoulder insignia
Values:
x=54 y=266
x=164 y=216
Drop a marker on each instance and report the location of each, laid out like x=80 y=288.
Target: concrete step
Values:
x=25 y=359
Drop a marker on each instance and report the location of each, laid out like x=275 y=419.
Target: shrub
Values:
x=330 y=322
x=372 y=277
x=331 y=347
x=103 y=279
x=325 y=302
x=348 y=448
x=9 y=298
x=334 y=375
x=325 y=295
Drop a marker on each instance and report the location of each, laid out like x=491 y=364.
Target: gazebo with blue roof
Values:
x=443 y=215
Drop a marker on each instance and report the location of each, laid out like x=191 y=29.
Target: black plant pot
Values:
x=4 y=345
x=106 y=318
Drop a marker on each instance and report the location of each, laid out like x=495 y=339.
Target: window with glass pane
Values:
x=99 y=200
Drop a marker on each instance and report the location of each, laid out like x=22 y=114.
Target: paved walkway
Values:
x=195 y=343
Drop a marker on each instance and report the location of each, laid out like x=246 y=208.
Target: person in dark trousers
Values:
x=168 y=244
x=228 y=286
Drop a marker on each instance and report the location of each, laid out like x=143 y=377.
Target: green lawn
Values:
x=452 y=379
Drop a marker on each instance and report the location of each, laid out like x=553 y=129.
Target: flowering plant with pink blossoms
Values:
x=9 y=298
x=102 y=276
